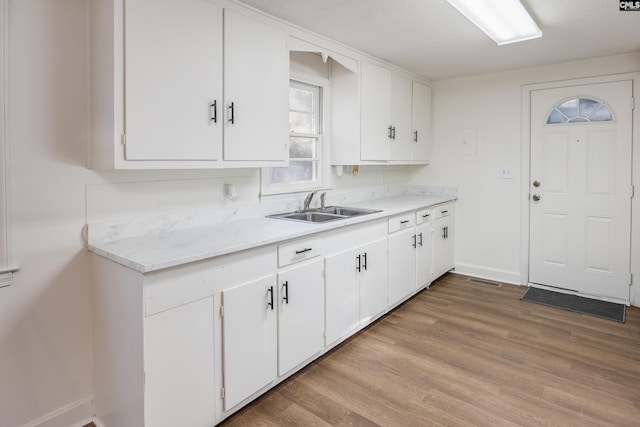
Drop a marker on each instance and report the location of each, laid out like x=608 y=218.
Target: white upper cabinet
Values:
x=401 y=93
x=385 y=121
x=173 y=77
x=421 y=121
x=256 y=72
x=375 y=122
x=391 y=109
x=157 y=86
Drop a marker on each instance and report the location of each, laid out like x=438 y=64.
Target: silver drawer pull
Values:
x=303 y=251
x=404 y=222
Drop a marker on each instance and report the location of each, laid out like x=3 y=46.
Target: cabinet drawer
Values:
x=424 y=215
x=298 y=250
x=442 y=210
x=401 y=221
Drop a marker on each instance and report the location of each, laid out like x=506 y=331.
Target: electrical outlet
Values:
x=506 y=172
x=231 y=192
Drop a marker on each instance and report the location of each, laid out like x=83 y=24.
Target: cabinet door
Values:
x=421 y=121
x=256 y=65
x=401 y=143
x=373 y=280
x=301 y=315
x=178 y=353
x=375 y=113
x=424 y=233
x=402 y=265
x=173 y=75
x=443 y=246
x=341 y=294
x=249 y=339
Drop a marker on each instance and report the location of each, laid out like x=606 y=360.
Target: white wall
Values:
x=488 y=215
x=45 y=316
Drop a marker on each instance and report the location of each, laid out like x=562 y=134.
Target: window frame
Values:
x=587 y=119
x=6 y=271
x=322 y=147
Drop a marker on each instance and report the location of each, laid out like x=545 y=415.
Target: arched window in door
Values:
x=579 y=109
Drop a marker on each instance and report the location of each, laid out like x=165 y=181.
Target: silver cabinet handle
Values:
x=536 y=197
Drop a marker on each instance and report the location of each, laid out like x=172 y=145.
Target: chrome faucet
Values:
x=322 y=200
x=307 y=200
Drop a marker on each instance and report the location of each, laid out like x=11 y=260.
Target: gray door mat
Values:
x=592 y=307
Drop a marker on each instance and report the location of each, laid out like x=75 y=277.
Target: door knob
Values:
x=536 y=183
x=536 y=197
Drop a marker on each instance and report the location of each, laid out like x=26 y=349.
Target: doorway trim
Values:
x=525 y=166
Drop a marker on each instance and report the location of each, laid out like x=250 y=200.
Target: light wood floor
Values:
x=463 y=353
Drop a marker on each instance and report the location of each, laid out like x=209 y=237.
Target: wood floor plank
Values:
x=464 y=353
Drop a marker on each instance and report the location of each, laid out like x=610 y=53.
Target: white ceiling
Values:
x=432 y=39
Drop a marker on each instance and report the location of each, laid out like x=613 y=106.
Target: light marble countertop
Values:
x=152 y=247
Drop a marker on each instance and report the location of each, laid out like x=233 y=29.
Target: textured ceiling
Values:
x=432 y=39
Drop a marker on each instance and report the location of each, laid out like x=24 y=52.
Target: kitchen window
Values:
x=306 y=166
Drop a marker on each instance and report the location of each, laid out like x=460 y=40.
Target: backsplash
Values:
x=122 y=229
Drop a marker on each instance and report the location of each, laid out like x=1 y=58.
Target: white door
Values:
x=580 y=188
x=300 y=314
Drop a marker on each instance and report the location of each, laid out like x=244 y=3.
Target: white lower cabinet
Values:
x=300 y=314
x=443 y=239
x=410 y=254
x=402 y=265
x=178 y=362
x=402 y=257
x=189 y=345
x=271 y=326
x=424 y=247
x=249 y=333
x=154 y=345
x=342 y=294
x=373 y=280
x=355 y=280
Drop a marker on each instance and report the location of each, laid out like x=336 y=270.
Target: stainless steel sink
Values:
x=330 y=213
x=308 y=216
x=349 y=212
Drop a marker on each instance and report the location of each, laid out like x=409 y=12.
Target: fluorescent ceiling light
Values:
x=505 y=21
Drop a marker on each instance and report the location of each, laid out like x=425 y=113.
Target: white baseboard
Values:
x=75 y=414
x=504 y=276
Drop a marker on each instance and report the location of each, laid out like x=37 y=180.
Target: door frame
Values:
x=525 y=166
